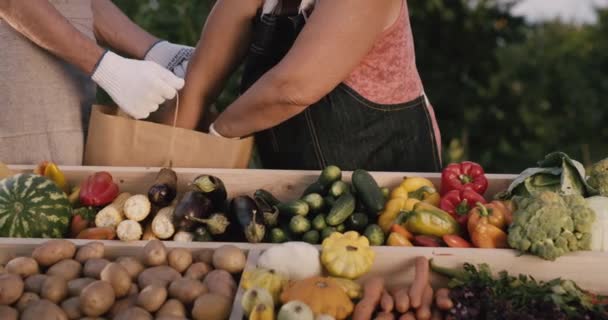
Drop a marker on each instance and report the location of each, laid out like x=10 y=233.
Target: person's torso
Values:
x=45 y=102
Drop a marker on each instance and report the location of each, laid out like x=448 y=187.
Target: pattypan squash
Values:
x=295 y=310
x=347 y=255
x=322 y=295
x=268 y=279
x=297 y=260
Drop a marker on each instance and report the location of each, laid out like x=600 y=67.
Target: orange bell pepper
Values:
x=487 y=225
x=398 y=240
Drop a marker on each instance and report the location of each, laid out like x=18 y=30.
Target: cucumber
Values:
x=329 y=202
x=360 y=207
x=312 y=237
x=315 y=187
x=299 y=225
x=374 y=234
x=294 y=208
x=368 y=191
x=330 y=175
x=342 y=209
x=277 y=235
x=327 y=232
x=386 y=192
x=266 y=196
x=315 y=202
x=318 y=223
x=338 y=188
x=341 y=228
x=357 y=221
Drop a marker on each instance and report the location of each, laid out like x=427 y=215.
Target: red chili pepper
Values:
x=427 y=241
x=454 y=241
x=82 y=218
x=98 y=190
x=460 y=176
x=458 y=203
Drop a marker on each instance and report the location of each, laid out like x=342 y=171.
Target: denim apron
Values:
x=343 y=128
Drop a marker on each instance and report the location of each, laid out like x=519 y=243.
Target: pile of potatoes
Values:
x=61 y=282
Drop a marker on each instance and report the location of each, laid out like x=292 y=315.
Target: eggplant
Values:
x=194 y=204
x=212 y=187
x=217 y=223
x=270 y=213
x=246 y=212
x=164 y=189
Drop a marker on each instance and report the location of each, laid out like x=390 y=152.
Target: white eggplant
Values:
x=162 y=224
x=112 y=214
x=129 y=230
x=137 y=207
x=599 y=230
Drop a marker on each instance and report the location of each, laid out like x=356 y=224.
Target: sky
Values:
x=580 y=11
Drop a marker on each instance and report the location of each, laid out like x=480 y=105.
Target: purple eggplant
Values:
x=244 y=210
x=193 y=205
x=212 y=187
x=164 y=189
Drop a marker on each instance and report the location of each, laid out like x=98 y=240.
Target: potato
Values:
x=11 y=288
x=170 y=318
x=204 y=255
x=91 y=250
x=229 y=258
x=161 y=275
x=54 y=289
x=71 y=307
x=75 y=286
x=122 y=304
x=152 y=297
x=36 y=309
x=198 y=271
x=133 y=290
x=34 y=282
x=220 y=282
x=68 y=269
x=134 y=313
x=118 y=277
x=25 y=300
x=23 y=267
x=93 y=267
x=172 y=307
x=186 y=290
x=133 y=266
x=211 y=306
x=8 y=313
x=96 y=298
x=180 y=259
x=54 y=251
x=154 y=254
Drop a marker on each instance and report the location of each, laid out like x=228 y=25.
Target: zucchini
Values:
x=315 y=202
x=299 y=225
x=329 y=175
x=277 y=235
x=338 y=188
x=386 y=192
x=360 y=207
x=342 y=209
x=266 y=196
x=312 y=237
x=357 y=221
x=374 y=234
x=294 y=208
x=368 y=191
x=327 y=232
x=318 y=223
x=315 y=187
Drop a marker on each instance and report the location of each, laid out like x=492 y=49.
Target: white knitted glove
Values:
x=138 y=87
x=173 y=57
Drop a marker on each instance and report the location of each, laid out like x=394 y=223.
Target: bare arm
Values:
x=335 y=39
x=39 y=21
x=223 y=43
x=114 y=29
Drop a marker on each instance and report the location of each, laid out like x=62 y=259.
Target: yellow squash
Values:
x=322 y=295
x=347 y=255
x=268 y=279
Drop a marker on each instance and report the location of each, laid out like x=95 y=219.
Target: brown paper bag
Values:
x=115 y=140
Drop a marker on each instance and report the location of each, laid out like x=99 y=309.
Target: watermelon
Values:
x=32 y=206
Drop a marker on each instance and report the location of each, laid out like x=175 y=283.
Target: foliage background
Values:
x=505 y=92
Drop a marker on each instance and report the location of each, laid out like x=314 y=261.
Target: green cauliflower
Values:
x=598 y=177
x=549 y=225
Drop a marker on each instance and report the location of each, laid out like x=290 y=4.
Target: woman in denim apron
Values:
x=356 y=124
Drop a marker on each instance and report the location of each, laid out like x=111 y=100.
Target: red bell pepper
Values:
x=465 y=175
x=458 y=203
x=98 y=190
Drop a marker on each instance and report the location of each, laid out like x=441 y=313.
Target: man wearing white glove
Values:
x=50 y=61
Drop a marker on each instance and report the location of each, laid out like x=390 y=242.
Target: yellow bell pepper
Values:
x=392 y=209
x=417 y=188
x=52 y=171
x=397 y=240
x=347 y=255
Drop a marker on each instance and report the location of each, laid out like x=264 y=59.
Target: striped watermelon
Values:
x=32 y=206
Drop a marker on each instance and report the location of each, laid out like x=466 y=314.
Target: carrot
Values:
x=424 y=312
x=442 y=299
x=402 y=231
x=97 y=233
x=402 y=299
x=385 y=316
x=387 y=302
x=421 y=281
x=408 y=316
x=372 y=293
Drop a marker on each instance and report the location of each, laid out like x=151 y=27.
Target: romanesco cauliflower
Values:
x=598 y=177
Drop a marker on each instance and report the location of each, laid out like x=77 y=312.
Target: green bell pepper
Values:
x=429 y=220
